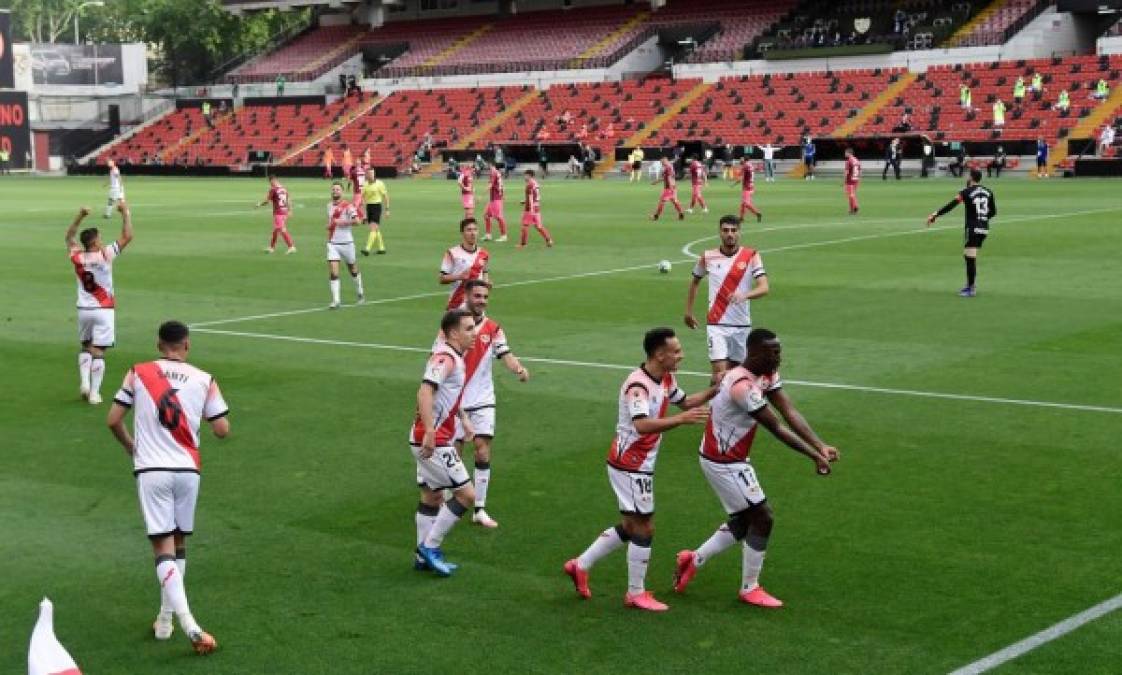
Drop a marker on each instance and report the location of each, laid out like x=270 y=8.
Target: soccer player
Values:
x=341 y=217
x=439 y=466
x=478 y=400
x=466 y=181
x=170 y=398
x=93 y=266
x=532 y=212
x=747 y=189
x=736 y=276
x=278 y=196
x=742 y=402
x=495 y=205
x=852 y=179
x=328 y=161
x=981 y=207
x=375 y=196
x=116 y=188
x=357 y=176
x=699 y=177
x=809 y=153
x=643 y=400
x=669 y=189
x=635 y=159
x=348 y=162
x=1041 y=158
x=464 y=262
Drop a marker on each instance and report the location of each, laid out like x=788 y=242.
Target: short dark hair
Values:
x=467 y=221
x=475 y=283
x=976 y=175
x=452 y=318
x=529 y=172
x=173 y=332
x=729 y=220
x=655 y=338
x=335 y=182
x=758 y=336
x=87 y=237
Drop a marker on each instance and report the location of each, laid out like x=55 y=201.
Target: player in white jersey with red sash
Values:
x=742 y=402
x=116 y=188
x=699 y=178
x=92 y=262
x=643 y=401
x=279 y=198
x=341 y=217
x=736 y=276
x=495 y=205
x=432 y=441
x=852 y=179
x=669 y=190
x=169 y=398
x=747 y=189
x=478 y=402
x=464 y=262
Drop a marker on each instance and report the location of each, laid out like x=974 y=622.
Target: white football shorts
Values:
x=482 y=421
x=167 y=501
x=97 y=326
x=735 y=484
x=344 y=252
x=634 y=491
x=727 y=343
x=443 y=471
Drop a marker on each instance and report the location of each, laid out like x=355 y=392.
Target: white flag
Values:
x=46 y=656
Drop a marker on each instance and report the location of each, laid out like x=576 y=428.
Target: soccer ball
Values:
x=664 y=266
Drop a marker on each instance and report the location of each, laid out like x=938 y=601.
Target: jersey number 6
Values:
x=171 y=413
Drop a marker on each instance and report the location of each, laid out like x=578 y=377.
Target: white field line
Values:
x=1043 y=637
x=613 y=366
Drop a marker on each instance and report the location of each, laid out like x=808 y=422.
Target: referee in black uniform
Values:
x=981 y=207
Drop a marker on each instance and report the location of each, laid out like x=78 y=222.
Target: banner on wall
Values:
x=77 y=64
x=15 y=127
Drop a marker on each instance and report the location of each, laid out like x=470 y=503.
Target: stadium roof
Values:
x=238 y=6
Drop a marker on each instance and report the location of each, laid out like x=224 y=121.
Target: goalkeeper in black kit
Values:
x=981 y=207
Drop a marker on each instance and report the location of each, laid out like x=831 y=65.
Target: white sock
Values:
x=608 y=541
x=753 y=563
x=721 y=540
x=638 y=557
x=109 y=208
x=174 y=593
x=425 y=517
x=181 y=565
x=335 y=291
x=97 y=373
x=481 y=480
x=449 y=515
x=84 y=362
x=358 y=285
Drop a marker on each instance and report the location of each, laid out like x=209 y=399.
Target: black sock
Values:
x=971 y=270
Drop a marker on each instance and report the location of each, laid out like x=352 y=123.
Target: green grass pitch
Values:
x=951 y=528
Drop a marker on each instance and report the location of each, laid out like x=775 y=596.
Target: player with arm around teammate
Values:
x=643 y=401
x=169 y=399
x=93 y=266
x=740 y=404
x=981 y=207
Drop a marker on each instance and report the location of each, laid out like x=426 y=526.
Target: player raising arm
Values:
x=740 y=404
x=93 y=267
x=981 y=207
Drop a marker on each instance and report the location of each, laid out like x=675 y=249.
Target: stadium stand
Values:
x=741 y=23
x=997 y=22
x=1115 y=30
x=306 y=57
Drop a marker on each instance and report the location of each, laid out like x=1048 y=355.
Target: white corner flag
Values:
x=46 y=656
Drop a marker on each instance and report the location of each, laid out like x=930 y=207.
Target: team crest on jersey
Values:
x=741 y=265
x=485 y=339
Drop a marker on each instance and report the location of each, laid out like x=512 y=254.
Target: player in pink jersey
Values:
x=431 y=440
x=747 y=189
x=466 y=182
x=464 y=262
x=357 y=177
x=643 y=401
x=741 y=403
x=495 y=205
x=669 y=190
x=736 y=276
x=278 y=196
x=699 y=178
x=478 y=399
x=852 y=179
x=170 y=399
x=93 y=267
x=532 y=212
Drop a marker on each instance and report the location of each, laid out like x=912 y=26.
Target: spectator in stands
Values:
x=206 y=110
x=905 y=124
x=998 y=113
x=769 y=161
x=891 y=159
x=234 y=91
x=965 y=98
x=1106 y=139
x=997 y=163
x=899 y=21
x=1063 y=103
x=352 y=86
x=1019 y=91
x=583 y=133
x=280 y=85
x=1037 y=86
x=342 y=84
x=1102 y=90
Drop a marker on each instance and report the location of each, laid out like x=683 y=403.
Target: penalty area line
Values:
x=612 y=366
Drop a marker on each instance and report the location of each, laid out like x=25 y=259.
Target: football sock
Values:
x=721 y=540
x=108 y=208
x=543 y=232
x=358 y=284
x=502 y=226
x=173 y=593
x=638 y=557
x=481 y=479
x=287 y=238
x=181 y=565
x=426 y=516
x=381 y=242
x=371 y=239
x=754 y=548
x=971 y=270
x=608 y=541
x=335 y=291
x=678 y=206
x=273 y=239
x=84 y=362
x=525 y=235
x=446 y=519
x=97 y=372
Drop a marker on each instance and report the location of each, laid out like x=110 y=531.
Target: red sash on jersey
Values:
x=732 y=280
x=484 y=336
x=711 y=450
x=446 y=431
x=89 y=285
x=636 y=453
x=474 y=272
x=336 y=214
x=168 y=408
